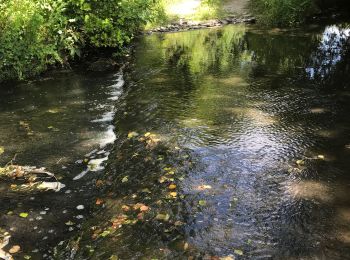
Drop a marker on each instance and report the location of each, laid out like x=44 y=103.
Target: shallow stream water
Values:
x=229 y=142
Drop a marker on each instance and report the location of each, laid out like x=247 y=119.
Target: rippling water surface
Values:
x=230 y=142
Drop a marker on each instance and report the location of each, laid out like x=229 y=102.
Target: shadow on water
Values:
x=60 y=123
x=230 y=143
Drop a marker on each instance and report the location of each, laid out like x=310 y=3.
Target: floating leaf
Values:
x=140 y=216
x=185 y=246
x=132 y=134
x=105 y=233
x=300 y=162
x=53 y=111
x=69 y=223
x=147 y=134
x=99 y=201
x=27 y=257
x=23 y=215
x=99 y=183
x=202 y=202
x=15 y=249
x=163 y=217
x=173 y=194
x=162 y=179
x=321 y=157
x=172 y=186
x=125 y=208
x=144 y=208
x=227 y=258
x=178 y=223
x=238 y=252
x=125 y=179
x=203 y=187
x=2 y=150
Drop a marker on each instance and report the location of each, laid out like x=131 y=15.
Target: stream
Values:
x=224 y=143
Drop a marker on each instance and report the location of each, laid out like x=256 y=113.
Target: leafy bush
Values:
x=34 y=35
x=283 y=12
x=111 y=23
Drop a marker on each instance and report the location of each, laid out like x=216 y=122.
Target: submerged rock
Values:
x=102 y=65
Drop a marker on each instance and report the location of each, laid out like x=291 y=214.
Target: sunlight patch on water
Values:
x=330 y=51
x=311 y=190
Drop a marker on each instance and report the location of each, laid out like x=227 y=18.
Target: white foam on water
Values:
x=108 y=136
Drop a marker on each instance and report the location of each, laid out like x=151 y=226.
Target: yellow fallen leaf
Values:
x=132 y=134
x=164 y=217
x=185 y=246
x=125 y=208
x=300 y=162
x=238 y=252
x=178 y=223
x=172 y=186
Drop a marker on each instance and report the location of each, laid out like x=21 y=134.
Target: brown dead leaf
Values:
x=99 y=183
x=99 y=201
x=203 y=187
x=15 y=249
x=125 y=208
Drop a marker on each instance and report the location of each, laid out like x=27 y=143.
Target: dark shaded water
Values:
x=231 y=142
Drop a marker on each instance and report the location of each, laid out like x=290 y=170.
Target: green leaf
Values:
x=202 y=203
x=105 y=233
x=2 y=150
x=23 y=214
x=238 y=252
x=163 y=217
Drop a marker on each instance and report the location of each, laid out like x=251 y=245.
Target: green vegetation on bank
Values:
x=285 y=13
x=293 y=12
x=35 y=34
